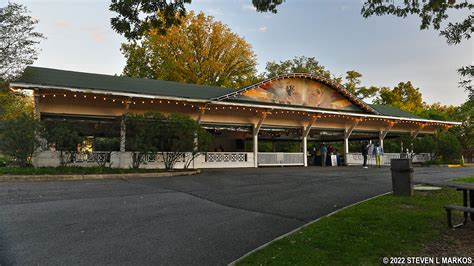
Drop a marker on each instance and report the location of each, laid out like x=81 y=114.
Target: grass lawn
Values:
x=69 y=170
x=387 y=226
x=465 y=179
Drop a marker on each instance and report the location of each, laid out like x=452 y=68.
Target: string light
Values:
x=309 y=114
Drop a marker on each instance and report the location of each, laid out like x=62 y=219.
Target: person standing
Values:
x=324 y=152
x=378 y=152
x=364 y=149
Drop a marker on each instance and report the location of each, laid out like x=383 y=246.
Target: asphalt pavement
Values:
x=207 y=219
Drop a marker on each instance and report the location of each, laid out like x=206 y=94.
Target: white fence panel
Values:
x=280 y=158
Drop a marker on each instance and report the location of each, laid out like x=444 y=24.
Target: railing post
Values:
x=255 y=147
x=305 y=151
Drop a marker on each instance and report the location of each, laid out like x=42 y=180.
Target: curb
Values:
x=303 y=226
x=16 y=178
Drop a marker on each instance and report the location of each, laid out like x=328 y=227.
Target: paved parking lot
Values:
x=211 y=218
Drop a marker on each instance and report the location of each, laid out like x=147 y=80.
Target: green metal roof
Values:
x=119 y=84
x=109 y=83
x=389 y=110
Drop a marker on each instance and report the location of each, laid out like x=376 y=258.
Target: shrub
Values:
x=449 y=147
x=19 y=138
x=172 y=136
x=65 y=137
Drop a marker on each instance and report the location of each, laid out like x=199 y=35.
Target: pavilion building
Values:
x=297 y=107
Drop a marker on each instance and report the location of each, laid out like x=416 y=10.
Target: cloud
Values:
x=248 y=8
x=62 y=24
x=263 y=29
x=97 y=34
x=344 y=7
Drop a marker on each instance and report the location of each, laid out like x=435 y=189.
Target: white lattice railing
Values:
x=96 y=156
x=356 y=158
x=280 y=158
x=226 y=157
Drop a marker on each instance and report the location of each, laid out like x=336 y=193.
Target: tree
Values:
x=65 y=137
x=437 y=111
x=465 y=132
x=177 y=137
x=432 y=13
x=353 y=85
x=449 y=148
x=19 y=139
x=301 y=64
x=136 y=18
x=171 y=137
x=18 y=40
x=403 y=96
x=142 y=130
x=13 y=105
x=199 y=50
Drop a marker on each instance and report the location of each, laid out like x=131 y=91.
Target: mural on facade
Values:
x=299 y=91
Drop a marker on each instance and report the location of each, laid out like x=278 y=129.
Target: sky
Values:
x=386 y=50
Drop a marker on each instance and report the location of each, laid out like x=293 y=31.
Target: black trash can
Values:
x=402 y=177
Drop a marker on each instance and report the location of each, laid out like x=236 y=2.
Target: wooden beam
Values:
x=348 y=131
x=383 y=133
x=417 y=131
x=307 y=129
x=202 y=110
x=260 y=122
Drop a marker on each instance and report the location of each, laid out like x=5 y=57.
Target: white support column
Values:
x=381 y=139
x=123 y=128
x=305 y=151
x=256 y=129
x=37 y=116
x=255 y=147
x=383 y=133
x=202 y=110
x=36 y=97
x=347 y=134
x=306 y=131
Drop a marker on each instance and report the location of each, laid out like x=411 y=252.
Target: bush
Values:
x=172 y=136
x=449 y=148
x=65 y=137
x=19 y=138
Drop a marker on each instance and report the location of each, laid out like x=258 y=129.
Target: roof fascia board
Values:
x=332 y=112
x=217 y=102
x=125 y=94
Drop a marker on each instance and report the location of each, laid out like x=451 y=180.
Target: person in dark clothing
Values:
x=365 y=151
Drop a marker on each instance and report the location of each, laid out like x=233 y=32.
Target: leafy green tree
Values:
x=177 y=137
x=169 y=136
x=425 y=144
x=437 y=111
x=465 y=132
x=65 y=137
x=403 y=96
x=449 y=148
x=19 y=139
x=301 y=64
x=142 y=130
x=14 y=104
x=353 y=85
x=135 y=18
x=19 y=40
x=199 y=51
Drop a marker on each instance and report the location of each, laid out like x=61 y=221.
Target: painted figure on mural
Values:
x=300 y=91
